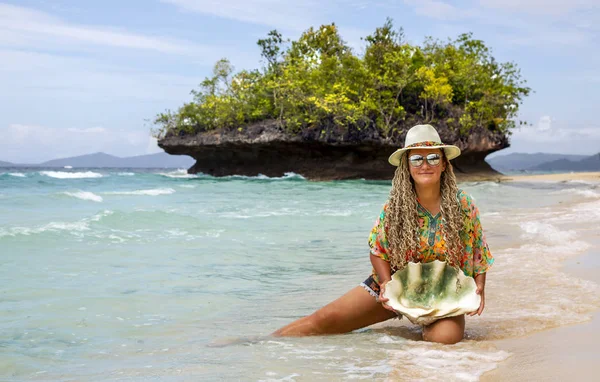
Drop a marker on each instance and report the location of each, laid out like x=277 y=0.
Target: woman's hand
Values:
x=382 y=299
x=480 y=282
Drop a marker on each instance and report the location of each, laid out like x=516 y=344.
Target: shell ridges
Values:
x=427 y=292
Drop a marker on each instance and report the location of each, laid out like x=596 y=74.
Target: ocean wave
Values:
x=465 y=361
x=79 y=226
x=178 y=174
x=99 y=216
x=461 y=362
x=183 y=174
x=546 y=233
x=589 y=209
x=126 y=173
x=343 y=213
x=151 y=192
x=71 y=175
x=578 y=181
x=76 y=227
x=247 y=213
x=286 y=176
x=586 y=193
x=17 y=174
x=85 y=195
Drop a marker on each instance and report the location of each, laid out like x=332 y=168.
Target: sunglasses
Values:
x=416 y=160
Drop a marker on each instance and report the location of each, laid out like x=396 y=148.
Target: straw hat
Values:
x=423 y=137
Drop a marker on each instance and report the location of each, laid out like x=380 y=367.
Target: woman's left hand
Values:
x=480 y=282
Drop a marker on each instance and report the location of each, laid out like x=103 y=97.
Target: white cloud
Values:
x=89 y=130
x=540 y=7
x=281 y=14
x=273 y=13
x=517 y=22
x=152 y=147
x=21 y=26
x=24 y=74
x=33 y=143
x=552 y=136
x=438 y=10
x=549 y=130
x=536 y=34
x=545 y=123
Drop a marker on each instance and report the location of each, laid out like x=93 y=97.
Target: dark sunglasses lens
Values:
x=415 y=160
x=433 y=159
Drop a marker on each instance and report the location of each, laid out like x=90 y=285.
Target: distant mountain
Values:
x=160 y=160
x=6 y=164
x=89 y=160
x=591 y=163
x=527 y=162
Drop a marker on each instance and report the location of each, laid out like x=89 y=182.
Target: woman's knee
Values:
x=326 y=320
x=445 y=331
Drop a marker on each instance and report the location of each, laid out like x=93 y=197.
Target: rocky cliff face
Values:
x=264 y=148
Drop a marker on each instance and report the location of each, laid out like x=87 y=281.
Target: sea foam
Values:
x=547 y=232
x=586 y=193
x=85 y=195
x=178 y=174
x=151 y=192
x=286 y=176
x=71 y=175
x=50 y=227
x=461 y=362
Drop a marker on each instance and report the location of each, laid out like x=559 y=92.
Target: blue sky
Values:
x=84 y=76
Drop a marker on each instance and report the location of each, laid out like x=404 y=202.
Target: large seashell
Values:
x=424 y=293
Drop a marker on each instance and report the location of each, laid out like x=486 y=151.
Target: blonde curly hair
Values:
x=402 y=222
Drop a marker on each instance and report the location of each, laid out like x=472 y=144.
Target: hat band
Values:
x=424 y=144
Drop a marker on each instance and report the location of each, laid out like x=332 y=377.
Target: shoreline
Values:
x=558 y=177
x=561 y=353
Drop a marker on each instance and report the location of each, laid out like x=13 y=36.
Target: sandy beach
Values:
x=581 y=176
x=566 y=352
x=562 y=177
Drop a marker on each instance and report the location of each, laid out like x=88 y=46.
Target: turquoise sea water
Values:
x=128 y=275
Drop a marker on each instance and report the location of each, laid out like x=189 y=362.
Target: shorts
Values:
x=371 y=286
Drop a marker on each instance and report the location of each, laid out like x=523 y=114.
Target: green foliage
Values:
x=318 y=82
x=391 y=66
x=488 y=92
x=436 y=90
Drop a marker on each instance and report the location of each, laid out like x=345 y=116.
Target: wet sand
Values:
x=583 y=176
x=497 y=177
x=564 y=353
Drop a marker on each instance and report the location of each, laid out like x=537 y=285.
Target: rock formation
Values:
x=264 y=148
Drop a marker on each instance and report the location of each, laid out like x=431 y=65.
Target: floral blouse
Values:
x=476 y=258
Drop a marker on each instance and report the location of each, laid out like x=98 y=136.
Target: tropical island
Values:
x=321 y=110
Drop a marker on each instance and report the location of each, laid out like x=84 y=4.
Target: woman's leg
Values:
x=446 y=331
x=354 y=310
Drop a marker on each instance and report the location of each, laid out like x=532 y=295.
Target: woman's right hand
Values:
x=382 y=299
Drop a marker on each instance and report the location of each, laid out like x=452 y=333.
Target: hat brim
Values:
x=450 y=151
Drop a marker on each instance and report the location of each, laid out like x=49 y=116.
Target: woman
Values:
x=424 y=199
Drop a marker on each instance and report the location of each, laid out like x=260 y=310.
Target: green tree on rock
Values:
x=317 y=83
